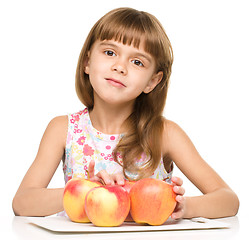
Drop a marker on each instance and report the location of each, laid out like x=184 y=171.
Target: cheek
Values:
x=98 y=68
x=142 y=80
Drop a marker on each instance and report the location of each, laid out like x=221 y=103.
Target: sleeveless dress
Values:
x=85 y=143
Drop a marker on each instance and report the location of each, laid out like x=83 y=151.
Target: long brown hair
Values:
x=146 y=123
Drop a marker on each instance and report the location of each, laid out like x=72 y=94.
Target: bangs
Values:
x=129 y=28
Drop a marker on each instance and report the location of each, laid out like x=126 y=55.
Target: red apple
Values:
x=127 y=186
x=152 y=201
x=107 y=206
x=74 y=198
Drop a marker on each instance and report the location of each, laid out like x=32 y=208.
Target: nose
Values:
x=120 y=67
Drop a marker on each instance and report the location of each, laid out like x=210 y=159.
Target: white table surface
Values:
x=19 y=228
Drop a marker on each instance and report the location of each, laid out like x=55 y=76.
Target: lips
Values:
x=115 y=82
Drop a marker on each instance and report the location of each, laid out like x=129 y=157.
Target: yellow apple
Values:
x=74 y=195
x=107 y=206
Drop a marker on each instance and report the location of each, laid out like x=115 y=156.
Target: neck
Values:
x=109 y=119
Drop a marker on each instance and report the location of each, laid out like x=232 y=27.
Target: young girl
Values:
x=122 y=78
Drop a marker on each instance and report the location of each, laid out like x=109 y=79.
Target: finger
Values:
x=180 y=199
x=179 y=206
x=119 y=178
x=91 y=169
x=105 y=177
x=179 y=190
x=179 y=209
x=178 y=214
x=95 y=179
x=177 y=181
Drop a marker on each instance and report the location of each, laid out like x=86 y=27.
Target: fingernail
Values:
x=174 y=179
x=179 y=198
x=121 y=182
x=176 y=188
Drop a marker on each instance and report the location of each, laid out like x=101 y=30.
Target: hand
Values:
x=179 y=191
x=103 y=177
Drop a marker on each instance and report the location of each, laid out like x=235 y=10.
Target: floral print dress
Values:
x=85 y=143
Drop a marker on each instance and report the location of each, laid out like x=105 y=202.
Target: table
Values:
x=19 y=228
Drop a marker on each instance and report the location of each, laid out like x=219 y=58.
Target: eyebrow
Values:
x=137 y=53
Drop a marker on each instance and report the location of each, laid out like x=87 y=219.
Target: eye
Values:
x=138 y=63
x=109 y=53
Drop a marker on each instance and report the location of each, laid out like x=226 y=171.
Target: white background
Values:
x=208 y=97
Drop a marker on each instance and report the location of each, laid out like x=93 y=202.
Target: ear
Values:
x=86 y=63
x=155 y=80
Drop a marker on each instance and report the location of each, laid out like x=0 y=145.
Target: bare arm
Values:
x=218 y=200
x=32 y=197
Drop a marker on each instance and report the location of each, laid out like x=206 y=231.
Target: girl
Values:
x=122 y=78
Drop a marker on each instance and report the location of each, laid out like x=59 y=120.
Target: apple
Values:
x=127 y=186
x=74 y=195
x=152 y=201
x=107 y=206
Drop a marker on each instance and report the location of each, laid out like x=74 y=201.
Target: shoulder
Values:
x=59 y=122
x=57 y=129
x=171 y=129
x=174 y=137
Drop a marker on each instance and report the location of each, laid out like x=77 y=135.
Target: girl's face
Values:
x=120 y=73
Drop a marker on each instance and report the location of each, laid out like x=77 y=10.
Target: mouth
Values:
x=115 y=82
